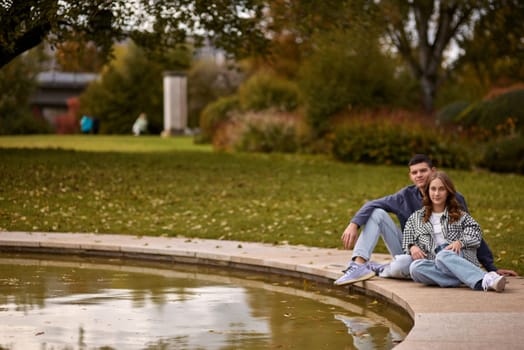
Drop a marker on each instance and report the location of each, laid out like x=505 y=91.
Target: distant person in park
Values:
x=374 y=217
x=89 y=124
x=442 y=240
x=140 y=125
x=86 y=124
x=96 y=125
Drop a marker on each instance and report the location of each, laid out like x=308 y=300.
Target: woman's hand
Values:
x=455 y=246
x=416 y=253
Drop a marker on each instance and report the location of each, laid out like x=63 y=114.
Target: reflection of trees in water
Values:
x=290 y=320
x=369 y=335
x=27 y=286
x=22 y=286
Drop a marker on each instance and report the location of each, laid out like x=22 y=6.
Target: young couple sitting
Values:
x=438 y=242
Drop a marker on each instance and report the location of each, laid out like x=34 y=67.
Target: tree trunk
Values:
x=429 y=88
x=421 y=31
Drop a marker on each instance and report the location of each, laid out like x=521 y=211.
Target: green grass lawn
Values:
x=104 y=143
x=155 y=186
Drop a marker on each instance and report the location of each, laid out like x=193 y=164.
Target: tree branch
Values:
x=27 y=41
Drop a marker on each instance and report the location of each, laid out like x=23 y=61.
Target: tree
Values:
x=484 y=32
x=406 y=25
x=230 y=24
x=74 y=56
x=495 y=48
x=294 y=25
x=128 y=86
x=340 y=77
x=421 y=31
x=17 y=83
x=26 y=24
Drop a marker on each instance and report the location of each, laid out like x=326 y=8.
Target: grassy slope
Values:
x=155 y=186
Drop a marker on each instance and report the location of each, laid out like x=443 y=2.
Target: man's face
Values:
x=418 y=173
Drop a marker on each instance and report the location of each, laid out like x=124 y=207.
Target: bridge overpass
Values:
x=54 y=89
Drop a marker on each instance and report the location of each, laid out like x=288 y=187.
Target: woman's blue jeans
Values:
x=447 y=270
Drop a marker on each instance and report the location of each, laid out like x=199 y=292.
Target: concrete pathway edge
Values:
x=451 y=318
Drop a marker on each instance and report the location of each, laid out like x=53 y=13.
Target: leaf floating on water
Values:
x=362 y=334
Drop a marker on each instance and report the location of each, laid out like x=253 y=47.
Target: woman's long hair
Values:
x=453 y=206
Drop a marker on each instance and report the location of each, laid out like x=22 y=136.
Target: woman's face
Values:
x=438 y=193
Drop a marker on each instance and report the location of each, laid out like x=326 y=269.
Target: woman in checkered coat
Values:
x=442 y=240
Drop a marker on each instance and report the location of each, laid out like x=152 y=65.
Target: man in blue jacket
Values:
x=376 y=221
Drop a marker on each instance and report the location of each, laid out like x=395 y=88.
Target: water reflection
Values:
x=50 y=304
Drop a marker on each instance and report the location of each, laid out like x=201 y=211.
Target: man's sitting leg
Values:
x=378 y=224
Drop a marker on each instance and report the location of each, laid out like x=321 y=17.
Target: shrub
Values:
x=208 y=81
x=385 y=142
x=266 y=91
x=505 y=155
x=215 y=114
x=260 y=132
x=24 y=123
x=494 y=114
x=448 y=114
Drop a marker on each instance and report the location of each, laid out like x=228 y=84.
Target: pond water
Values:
x=86 y=303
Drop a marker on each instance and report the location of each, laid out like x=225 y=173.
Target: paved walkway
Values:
x=454 y=318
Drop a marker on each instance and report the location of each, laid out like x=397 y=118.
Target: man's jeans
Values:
x=447 y=270
x=378 y=224
x=398 y=268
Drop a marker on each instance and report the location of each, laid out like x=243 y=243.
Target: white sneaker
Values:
x=494 y=281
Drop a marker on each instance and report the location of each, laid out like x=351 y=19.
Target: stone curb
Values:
x=451 y=318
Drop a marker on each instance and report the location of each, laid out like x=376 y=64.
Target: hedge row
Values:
x=494 y=114
x=505 y=155
x=257 y=119
x=497 y=125
x=384 y=142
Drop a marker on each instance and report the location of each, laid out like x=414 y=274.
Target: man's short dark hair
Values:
x=420 y=158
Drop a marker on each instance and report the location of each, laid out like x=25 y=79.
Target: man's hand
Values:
x=417 y=253
x=350 y=235
x=509 y=273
